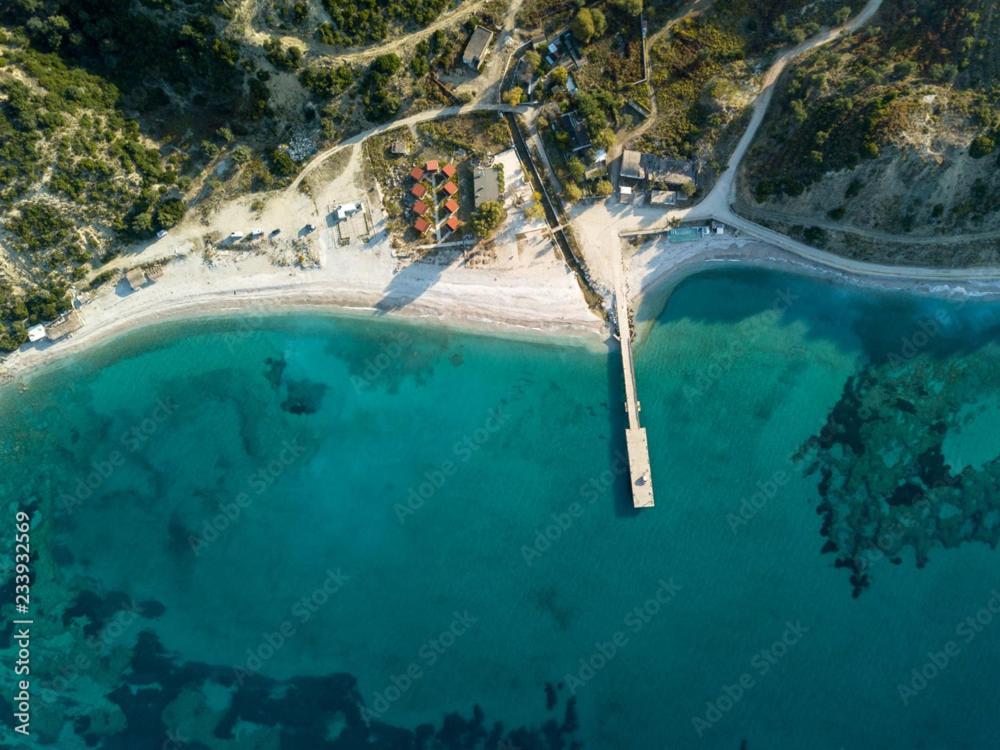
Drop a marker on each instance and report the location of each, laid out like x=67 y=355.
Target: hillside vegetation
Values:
x=705 y=71
x=893 y=129
x=118 y=116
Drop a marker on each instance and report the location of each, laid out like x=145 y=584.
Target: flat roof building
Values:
x=662 y=198
x=485 y=185
x=674 y=175
x=630 y=168
x=36 y=333
x=476 y=49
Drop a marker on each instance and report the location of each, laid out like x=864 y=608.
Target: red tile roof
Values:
x=419 y=208
x=451 y=205
x=449 y=170
x=450 y=188
x=452 y=223
x=421 y=225
x=432 y=165
x=417 y=174
x=418 y=189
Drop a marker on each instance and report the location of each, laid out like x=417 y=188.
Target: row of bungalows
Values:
x=421 y=225
x=434 y=173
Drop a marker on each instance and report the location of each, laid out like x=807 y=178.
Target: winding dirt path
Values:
x=720 y=199
x=695 y=9
x=247 y=12
x=425 y=116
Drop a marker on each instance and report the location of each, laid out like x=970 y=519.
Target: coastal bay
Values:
x=413 y=521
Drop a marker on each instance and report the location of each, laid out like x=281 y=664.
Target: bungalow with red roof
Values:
x=421 y=225
x=432 y=165
x=450 y=188
x=417 y=174
x=452 y=223
x=449 y=170
x=419 y=208
x=419 y=190
x=451 y=205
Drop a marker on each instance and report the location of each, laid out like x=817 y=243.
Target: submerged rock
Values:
x=873 y=509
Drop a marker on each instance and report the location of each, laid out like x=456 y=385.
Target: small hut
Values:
x=64 y=326
x=136 y=279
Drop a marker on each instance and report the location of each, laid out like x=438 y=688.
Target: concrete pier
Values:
x=635 y=434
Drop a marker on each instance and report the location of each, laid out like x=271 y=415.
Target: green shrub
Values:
x=982 y=145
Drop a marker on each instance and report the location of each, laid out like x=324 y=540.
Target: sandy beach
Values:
x=518 y=286
x=540 y=298
x=530 y=294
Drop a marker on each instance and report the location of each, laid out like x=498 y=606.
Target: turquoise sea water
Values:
x=331 y=532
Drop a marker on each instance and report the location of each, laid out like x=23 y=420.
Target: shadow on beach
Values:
x=413 y=280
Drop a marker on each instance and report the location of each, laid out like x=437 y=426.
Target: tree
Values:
x=582 y=25
x=576 y=169
x=514 y=96
x=600 y=22
x=170 y=212
x=632 y=7
x=605 y=139
x=982 y=145
x=487 y=218
x=559 y=75
x=533 y=59
x=535 y=210
x=284 y=165
x=603 y=188
x=573 y=193
x=327 y=81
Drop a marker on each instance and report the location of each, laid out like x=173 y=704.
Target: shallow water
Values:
x=328 y=532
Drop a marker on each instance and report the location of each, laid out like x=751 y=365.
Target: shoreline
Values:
x=526 y=306
x=664 y=272
x=503 y=309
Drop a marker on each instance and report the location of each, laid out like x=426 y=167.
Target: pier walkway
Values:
x=635 y=434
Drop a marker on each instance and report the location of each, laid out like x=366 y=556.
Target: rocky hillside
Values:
x=119 y=116
x=894 y=129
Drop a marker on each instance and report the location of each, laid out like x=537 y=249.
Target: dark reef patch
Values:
x=885 y=484
x=274 y=371
x=303 y=397
x=300 y=709
x=96 y=608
